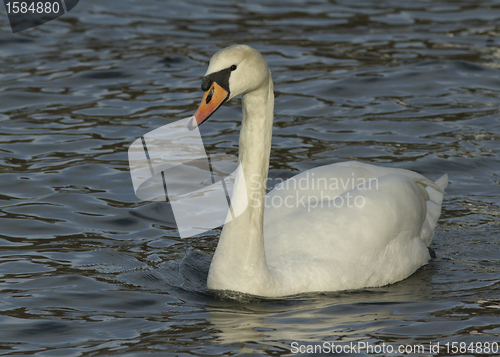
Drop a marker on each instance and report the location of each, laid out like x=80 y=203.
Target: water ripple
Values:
x=86 y=268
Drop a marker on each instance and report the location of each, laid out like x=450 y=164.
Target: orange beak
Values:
x=213 y=98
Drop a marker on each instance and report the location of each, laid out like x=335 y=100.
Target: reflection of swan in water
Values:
x=311 y=317
x=295 y=249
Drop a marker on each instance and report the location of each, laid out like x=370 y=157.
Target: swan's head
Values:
x=232 y=71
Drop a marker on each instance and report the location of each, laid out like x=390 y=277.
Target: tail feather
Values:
x=438 y=186
x=434 y=197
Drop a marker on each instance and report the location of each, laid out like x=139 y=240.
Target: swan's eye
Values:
x=233 y=67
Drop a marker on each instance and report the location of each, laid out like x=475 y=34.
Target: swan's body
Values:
x=343 y=226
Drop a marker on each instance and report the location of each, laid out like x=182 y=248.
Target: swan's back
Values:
x=350 y=225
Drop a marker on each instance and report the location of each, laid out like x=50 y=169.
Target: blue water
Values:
x=88 y=269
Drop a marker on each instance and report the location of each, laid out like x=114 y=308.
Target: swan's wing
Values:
x=376 y=233
x=366 y=218
x=331 y=181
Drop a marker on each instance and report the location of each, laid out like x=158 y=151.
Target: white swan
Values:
x=304 y=240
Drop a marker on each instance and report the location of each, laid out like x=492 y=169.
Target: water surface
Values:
x=88 y=269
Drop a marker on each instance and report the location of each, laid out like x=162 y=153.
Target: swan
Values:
x=343 y=226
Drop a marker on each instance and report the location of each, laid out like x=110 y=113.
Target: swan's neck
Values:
x=239 y=263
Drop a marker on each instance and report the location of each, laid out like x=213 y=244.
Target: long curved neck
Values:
x=239 y=263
